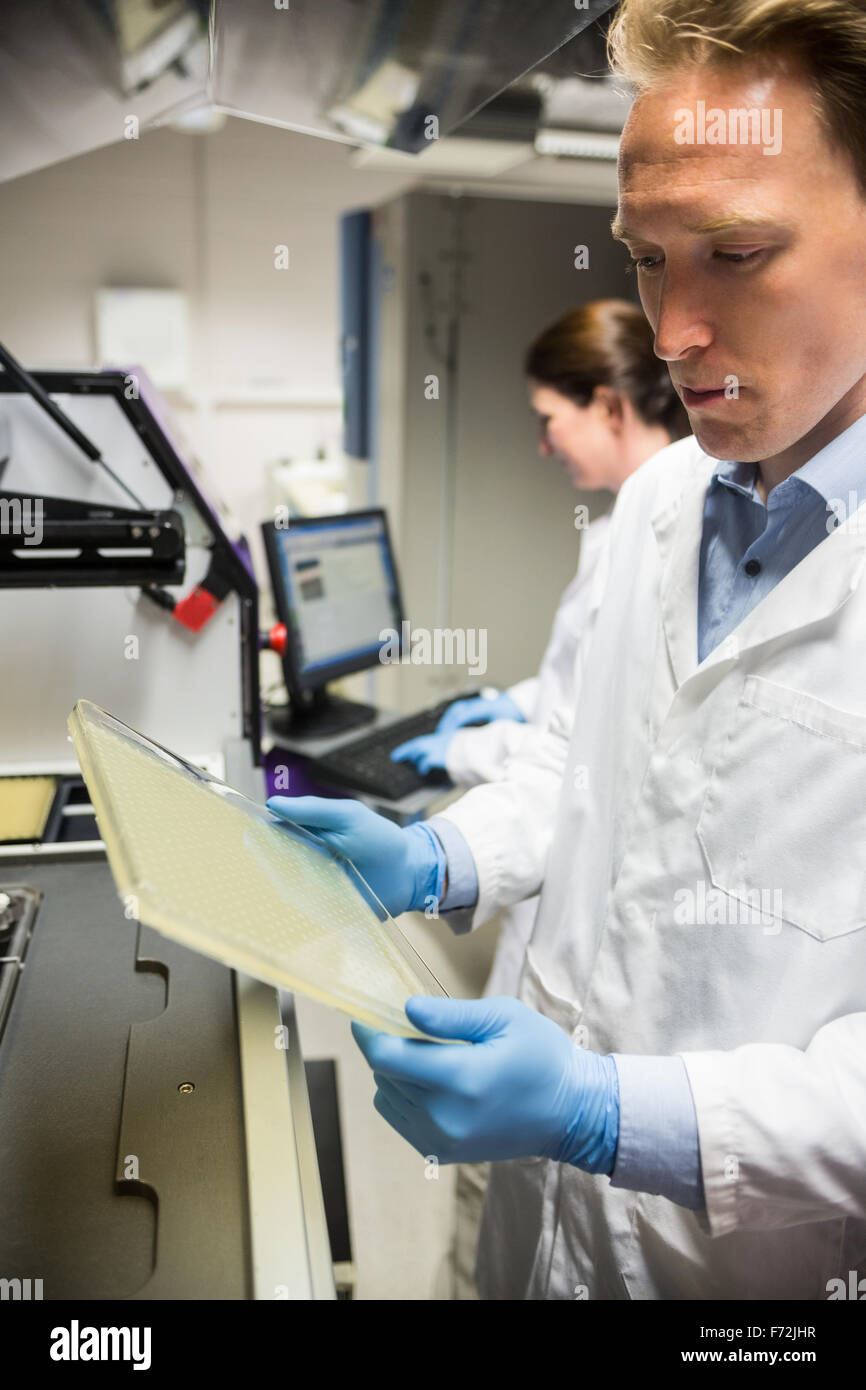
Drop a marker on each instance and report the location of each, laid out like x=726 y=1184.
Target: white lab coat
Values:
x=477 y=755
x=743 y=774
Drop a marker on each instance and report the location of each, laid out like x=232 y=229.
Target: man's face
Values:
x=779 y=306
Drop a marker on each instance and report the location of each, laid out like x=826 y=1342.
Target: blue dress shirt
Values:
x=746 y=548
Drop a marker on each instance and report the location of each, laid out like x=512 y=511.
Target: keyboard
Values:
x=364 y=764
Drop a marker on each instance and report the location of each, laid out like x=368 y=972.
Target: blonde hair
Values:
x=650 y=40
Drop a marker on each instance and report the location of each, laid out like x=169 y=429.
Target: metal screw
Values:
x=186 y=1087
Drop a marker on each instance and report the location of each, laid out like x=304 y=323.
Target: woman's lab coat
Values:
x=701 y=836
x=477 y=755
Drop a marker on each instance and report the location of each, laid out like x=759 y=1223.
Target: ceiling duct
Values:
x=77 y=74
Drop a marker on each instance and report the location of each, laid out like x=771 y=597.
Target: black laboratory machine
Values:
x=154 y=1142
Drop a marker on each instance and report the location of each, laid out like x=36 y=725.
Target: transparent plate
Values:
x=211 y=869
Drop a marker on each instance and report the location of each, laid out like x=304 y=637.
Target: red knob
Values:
x=277 y=638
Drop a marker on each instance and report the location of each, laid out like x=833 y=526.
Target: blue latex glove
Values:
x=479 y=710
x=426 y=752
x=429 y=751
x=521 y=1090
x=402 y=866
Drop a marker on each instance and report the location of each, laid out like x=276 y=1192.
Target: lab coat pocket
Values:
x=783 y=822
x=535 y=991
x=670 y=1256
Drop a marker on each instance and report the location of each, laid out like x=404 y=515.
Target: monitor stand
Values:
x=321 y=716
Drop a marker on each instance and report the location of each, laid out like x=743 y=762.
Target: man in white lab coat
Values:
x=681 y=1110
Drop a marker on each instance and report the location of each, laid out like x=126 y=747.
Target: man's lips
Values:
x=694 y=397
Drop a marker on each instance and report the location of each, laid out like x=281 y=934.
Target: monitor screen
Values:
x=335 y=587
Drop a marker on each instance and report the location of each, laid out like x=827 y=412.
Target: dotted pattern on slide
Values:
x=208 y=872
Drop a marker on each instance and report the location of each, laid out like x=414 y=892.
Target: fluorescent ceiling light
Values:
x=199 y=120
x=577 y=144
x=457 y=156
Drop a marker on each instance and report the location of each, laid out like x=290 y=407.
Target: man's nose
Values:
x=680 y=319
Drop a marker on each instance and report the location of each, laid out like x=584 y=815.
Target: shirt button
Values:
x=752 y=567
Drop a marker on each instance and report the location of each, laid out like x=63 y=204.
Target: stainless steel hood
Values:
x=77 y=74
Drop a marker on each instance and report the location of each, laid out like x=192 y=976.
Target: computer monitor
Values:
x=336 y=590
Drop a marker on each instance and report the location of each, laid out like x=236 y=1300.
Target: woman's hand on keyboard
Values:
x=479 y=709
x=426 y=752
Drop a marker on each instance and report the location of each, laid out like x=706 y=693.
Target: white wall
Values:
x=201 y=214
x=483 y=528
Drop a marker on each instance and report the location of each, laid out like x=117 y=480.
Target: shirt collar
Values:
x=835 y=471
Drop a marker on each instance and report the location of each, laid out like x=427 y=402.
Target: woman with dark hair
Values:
x=605 y=404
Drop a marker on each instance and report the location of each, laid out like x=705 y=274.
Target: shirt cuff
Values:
x=658 y=1148
x=462 y=877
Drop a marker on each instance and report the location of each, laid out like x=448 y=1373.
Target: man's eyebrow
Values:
x=620 y=232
